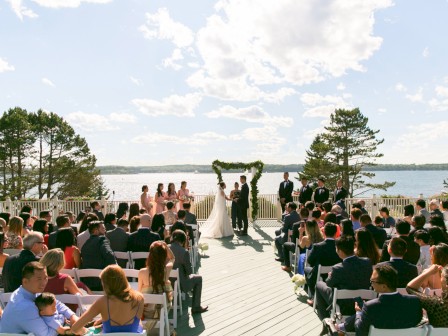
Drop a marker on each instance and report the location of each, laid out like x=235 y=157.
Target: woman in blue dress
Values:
x=309 y=234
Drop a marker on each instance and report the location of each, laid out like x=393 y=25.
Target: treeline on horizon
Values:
x=270 y=168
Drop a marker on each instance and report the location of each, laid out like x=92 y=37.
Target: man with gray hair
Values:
x=434 y=207
x=33 y=246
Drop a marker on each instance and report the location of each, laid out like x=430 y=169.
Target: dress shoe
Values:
x=286 y=268
x=310 y=302
x=199 y=310
x=279 y=259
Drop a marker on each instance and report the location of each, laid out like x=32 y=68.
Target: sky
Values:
x=187 y=82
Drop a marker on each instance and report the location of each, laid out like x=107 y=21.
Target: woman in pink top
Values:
x=183 y=195
x=65 y=240
x=171 y=195
x=160 y=198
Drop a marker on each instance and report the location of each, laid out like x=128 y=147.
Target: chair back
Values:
x=124 y=256
x=163 y=321
x=87 y=300
x=437 y=331
x=4 y=298
x=420 y=331
x=338 y=294
x=138 y=255
x=70 y=272
x=130 y=272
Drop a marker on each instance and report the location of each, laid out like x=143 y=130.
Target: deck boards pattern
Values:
x=247 y=292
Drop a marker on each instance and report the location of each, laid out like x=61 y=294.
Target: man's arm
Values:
x=187 y=263
x=107 y=253
x=362 y=322
x=333 y=278
x=313 y=256
x=31 y=322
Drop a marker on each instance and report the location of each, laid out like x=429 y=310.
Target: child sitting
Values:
x=46 y=303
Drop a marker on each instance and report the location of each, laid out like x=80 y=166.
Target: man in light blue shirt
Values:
x=21 y=315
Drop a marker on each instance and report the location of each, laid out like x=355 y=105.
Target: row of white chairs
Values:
x=425 y=330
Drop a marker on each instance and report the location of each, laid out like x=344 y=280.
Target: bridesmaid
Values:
x=183 y=195
x=160 y=198
x=171 y=195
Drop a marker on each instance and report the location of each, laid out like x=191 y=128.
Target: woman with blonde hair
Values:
x=14 y=235
x=309 y=234
x=121 y=307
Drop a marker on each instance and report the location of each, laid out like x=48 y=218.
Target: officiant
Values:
x=285 y=191
x=235 y=212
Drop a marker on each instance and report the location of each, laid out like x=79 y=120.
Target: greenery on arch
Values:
x=217 y=167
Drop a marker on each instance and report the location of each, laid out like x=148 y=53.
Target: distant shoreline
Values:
x=207 y=169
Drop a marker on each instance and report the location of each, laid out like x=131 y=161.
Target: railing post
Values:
x=9 y=206
x=374 y=206
x=103 y=203
x=420 y=196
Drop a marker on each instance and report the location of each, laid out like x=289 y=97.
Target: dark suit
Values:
x=52 y=239
x=388 y=312
x=436 y=213
x=285 y=192
x=243 y=204
x=406 y=271
x=412 y=250
x=188 y=280
x=190 y=218
x=291 y=246
x=96 y=253
x=306 y=193
x=140 y=241
x=339 y=194
x=180 y=225
x=12 y=269
x=414 y=230
x=323 y=253
x=118 y=239
x=109 y=226
x=99 y=214
x=282 y=233
x=352 y=273
x=379 y=234
x=321 y=194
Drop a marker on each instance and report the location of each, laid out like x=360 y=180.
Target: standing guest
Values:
x=140 y=240
x=122 y=210
x=134 y=224
x=418 y=223
x=444 y=209
x=408 y=213
x=321 y=194
x=388 y=221
x=134 y=210
x=234 y=194
x=436 y=307
x=170 y=214
x=21 y=316
x=434 y=207
x=340 y=194
x=62 y=221
x=365 y=246
x=439 y=256
x=84 y=232
x=285 y=191
x=33 y=245
x=14 y=234
x=347 y=228
x=420 y=207
x=96 y=253
x=190 y=218
x=145 y=199
x=282 y=234
x=412 y=249
x=65 y=240
x=160 y=198
x=421 y=237
x=183 y=195
x=355 y=215
x=158 y=226
x=188 y=280
x=41 y=226
x=96 y=208
x=120 y=307
x=109 y=221
x=379 y=235
x=305 y=192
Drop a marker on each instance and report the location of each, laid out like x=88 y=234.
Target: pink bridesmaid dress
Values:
x=160 y=202
x=181 y=194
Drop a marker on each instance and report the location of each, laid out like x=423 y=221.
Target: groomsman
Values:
x=243 y=204
x=285 y=191
x=340 y=194
x=306 y=192
x=321 y=194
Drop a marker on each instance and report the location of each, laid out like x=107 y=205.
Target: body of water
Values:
x=128 y=187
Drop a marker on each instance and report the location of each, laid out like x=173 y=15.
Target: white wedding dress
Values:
x=218 y=223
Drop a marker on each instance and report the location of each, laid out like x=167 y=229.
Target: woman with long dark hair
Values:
x=160 y=198
x=365 y=246
x=65 y=240
x=134 y=210
x=41 y=225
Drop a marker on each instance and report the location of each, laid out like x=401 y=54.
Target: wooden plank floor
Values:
x=247 y=292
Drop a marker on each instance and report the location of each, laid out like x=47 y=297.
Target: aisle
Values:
x=247 y=292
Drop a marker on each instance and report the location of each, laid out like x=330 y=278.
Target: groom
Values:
x=243 y=204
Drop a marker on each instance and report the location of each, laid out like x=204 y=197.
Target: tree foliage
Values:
x=346 y=147
x=43 y=156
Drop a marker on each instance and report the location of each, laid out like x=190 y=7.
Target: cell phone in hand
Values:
x=359 y=301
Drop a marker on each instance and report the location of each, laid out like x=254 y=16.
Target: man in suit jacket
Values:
x=321 y=194
x=33 y=245
x=62 y=221
x=379 y=234
x=243 y=204
x=118 y=239
x=305 y=192
x=420 y=209
x=324 y=254
x=352 y=273
x=141 y=240
x=285 y=191
x=406 y=271
x=188 y=280
x=282 y=233
x=390 y=311
x=190 y=218
x=412 y=248
x=181 y=215
x=340 y=194
x=96 y=253
x=418 y=223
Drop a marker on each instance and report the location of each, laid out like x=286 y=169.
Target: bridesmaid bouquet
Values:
x=203 y=247
x=298 y=280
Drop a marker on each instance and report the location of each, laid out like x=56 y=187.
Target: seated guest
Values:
x=190 y=218
x=421 y=237
x=332 y=218
x=41 y=226
x=324 y=254
x=406 y=270
x=436 y=307
x=65 y=240
x=437 y=221
x=437 y=236
x=83 y=229
x=390 y=311
x=119 y=236
x=188 y=280
x=412 y=249
x=388 y=221
x=120 y=307
x=134 y=210
x=355 y=215
x=347 y=228
x=365 y=246
x=170 y=214
x=109 y=221
x=408 y=213
x=439 y=256
x=96 y=208
x=13 y=238
x=181 y=214
x=420 y=207
x=122 y=210
x=21 y=316
x=140 y=240
x=134 y=223
x=434 y=209
x=418 y=223
x=158 y=226
x=337 y=210
x=282 y=234
x=379 y=234
x=378 y=221
x=351 y=273
x=315 y=215
x=62 y=221
x=33 y=245
x=444 y=209
x=46 y=304
x=96 y=253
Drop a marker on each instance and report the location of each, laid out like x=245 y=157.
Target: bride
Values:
x=218 y=223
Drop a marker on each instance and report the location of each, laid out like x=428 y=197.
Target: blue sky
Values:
x=186 y=82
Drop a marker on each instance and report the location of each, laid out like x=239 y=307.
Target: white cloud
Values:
x=425 y=52
x=180 y=106
x=48 y=82
x=322 y=106
x=382 y=110
x=400 y=87
x=341 y=86
x=442 y=91
x=136 y=81
x=161 y=26
x=68 y=3
x=313 y=99
x=5 y=66
x=20 y=10
x=171 y=62
x=123 y=117
x=195 y=139
x=441 y=102
x=417 y=97
x=426 y=136
x=269 y=142
x=252 y=113
x=90 y=121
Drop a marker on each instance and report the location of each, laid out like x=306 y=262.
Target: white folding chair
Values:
x=89 y=273
x=293 y=257
x=70 y=272
x=321 y=270
x=124 y=256
x=437 y=331
x=133 y=274
x=11 y=251
x=338 y=294
x=4 y=299
x=138 y=255
x=87 y=300
x=70 y=299
x=177 y=296
x=194 y=247
x=420 y=331
x=164 y=324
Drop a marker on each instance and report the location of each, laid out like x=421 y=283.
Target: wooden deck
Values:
x=247 y=292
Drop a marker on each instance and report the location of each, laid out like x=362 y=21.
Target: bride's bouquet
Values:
x=298 y=280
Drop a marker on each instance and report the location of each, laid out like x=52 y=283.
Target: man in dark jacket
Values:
x=282 y=233
x=379 y=234
x=305 y=192
x=285 y=191
x=412 y=248
x=141 y=240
